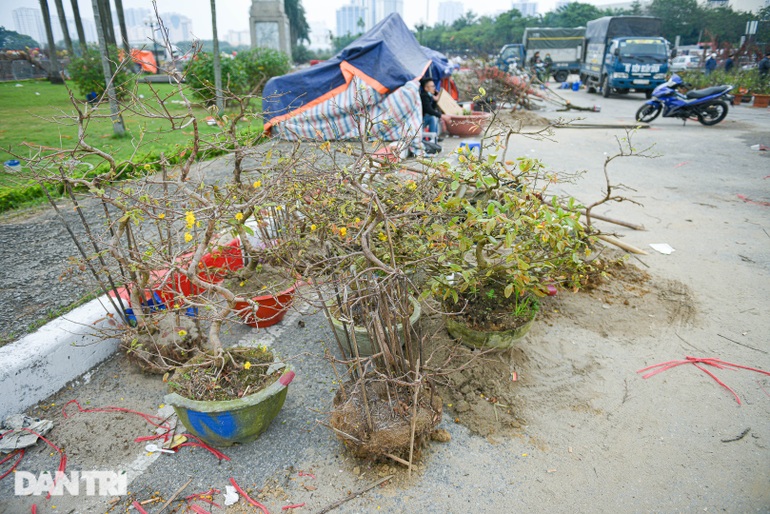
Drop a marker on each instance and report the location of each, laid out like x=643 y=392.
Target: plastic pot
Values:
x=270 y=311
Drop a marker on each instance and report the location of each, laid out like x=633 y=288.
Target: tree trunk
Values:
x=79 y=26
x=64 y=29
x=107 y=25
x=217 y=63
x=117 y=119
x=123 y=31
x=53 y=70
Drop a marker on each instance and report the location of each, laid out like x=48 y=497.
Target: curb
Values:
x=40 y=364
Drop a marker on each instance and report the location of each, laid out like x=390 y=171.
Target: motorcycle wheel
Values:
x=606 y=87
x=647 y=112
x=712 y=113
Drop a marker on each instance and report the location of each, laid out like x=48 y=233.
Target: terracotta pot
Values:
x=468 y=125
x=271 y=308
x=761 y=100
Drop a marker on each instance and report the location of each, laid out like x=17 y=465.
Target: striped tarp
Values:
x=357 y=110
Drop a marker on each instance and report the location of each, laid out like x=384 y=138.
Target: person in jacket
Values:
x=729 y=63
x=711 y=63
x=764 y=66
x=431 y=114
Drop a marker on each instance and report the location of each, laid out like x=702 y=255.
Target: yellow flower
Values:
x=187 y=237
x=357 y=221
x=382 y=236
x=147 y=167
x=313 y=227
x=343 y=231
x=247 y=365
x=161 y=215
x=257 y=184
x=182 y=333
x=189 y=217
x=239 y=216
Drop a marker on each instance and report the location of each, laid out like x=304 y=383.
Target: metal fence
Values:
x=24 y=70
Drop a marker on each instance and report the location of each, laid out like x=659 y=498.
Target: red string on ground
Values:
x=697 y=361
x=200 y=497
x=303 y=474
x=149 y=418
x=20 y=453
x=295 y=506
x=62 y=459
x=138 y=507
x=248 y=498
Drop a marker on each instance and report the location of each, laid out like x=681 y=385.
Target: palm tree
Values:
x=79 y=26
x=117 y=119
x=217 y=63
x=299 y=30
x=53 y=71
x=64 y=29
x=122 y=23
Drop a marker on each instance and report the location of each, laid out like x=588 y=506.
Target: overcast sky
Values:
x=234 y=14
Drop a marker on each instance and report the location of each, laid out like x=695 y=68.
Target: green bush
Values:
x=87 y=73
x=262 y=64
x=240 y=75
x=200 y=76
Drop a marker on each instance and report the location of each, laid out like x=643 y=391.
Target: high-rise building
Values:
x=179 y=26
x=385 y=7
x=525 y=8
x=448 y=12
x=30 y=22
x=351 y=19
x=136 y=16
x=238 y=37
x=319 y=36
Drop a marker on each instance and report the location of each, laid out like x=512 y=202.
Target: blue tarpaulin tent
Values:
x=376 y=75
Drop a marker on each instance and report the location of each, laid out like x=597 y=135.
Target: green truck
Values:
x=564 y=46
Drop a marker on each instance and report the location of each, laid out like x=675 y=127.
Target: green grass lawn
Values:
x=37 y=114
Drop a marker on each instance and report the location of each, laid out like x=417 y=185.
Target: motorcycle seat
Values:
x=701 y=93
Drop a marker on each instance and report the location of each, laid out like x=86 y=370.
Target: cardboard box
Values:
x=448 y=105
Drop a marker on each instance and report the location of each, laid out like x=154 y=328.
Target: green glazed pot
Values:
x=226 y=422
x=499 y=340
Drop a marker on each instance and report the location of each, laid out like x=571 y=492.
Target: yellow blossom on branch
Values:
x=239 y=216
x=187 y=237
x=343 y=231
x=247 y=365
x=189 y=217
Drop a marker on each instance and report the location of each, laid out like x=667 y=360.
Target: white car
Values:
x=684 y=62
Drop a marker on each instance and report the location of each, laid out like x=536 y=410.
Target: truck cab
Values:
x=624 y=53
x=510 y=57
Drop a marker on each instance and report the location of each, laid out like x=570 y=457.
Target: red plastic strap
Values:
x=708 y=361
x=201 y=444
x=248 y=498
x=149 y=418
x=138 y=507
x=295 y=506
x=34 y=508
x=303 y=474
x=62 y=459
x=19 y=452
x=286 y=378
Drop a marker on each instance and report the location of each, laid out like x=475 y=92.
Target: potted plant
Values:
x=229 y=398
x=501 y=247
x=761 y=90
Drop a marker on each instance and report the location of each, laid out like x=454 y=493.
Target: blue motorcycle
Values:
x=708 y=105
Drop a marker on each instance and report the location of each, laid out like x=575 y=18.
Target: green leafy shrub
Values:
x=200 y=76
x=248 y=70
x=87 y=73
x=262 y=64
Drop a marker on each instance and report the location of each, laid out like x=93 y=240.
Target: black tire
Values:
x=606 y=86
x=648 y=94
x=712 y=113
x=647 y=112
x=561 y=76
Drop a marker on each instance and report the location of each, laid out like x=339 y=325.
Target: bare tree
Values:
x=53 y=70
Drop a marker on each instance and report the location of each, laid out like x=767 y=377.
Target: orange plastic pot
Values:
x=270 y=311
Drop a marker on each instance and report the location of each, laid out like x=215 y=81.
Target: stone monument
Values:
x=269 y=25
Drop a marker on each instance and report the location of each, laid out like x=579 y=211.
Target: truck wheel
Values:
x=561 y=76
x=606 y=87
